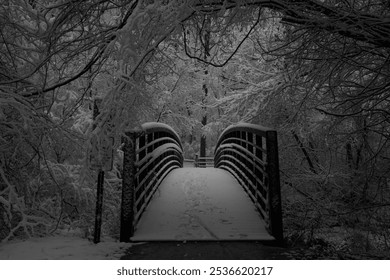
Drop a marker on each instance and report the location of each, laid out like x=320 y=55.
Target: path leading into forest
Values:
x=201 y=204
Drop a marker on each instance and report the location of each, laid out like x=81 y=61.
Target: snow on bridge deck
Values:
x=200 y=204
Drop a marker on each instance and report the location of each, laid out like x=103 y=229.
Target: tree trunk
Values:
x=206 y=40
x=305 y=152
x=348 y=148
x=202 y=151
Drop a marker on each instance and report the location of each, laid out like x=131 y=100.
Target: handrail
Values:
x=149 y=155
x=203 y=161
x=250 y=153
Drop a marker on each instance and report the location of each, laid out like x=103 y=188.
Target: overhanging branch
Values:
x=231 y=55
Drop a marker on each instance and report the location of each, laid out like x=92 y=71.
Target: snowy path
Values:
x=200 y=204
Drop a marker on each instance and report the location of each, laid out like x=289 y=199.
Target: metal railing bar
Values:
x=258 y=170
x=156 y=152
x=250 y=153
x=229 y=140
x=153 y=170
x=260 y=182
x=150 y=195
x=242 y=149
x=155 y=141
x=263 y=213
x=161 y=127
x=254 y=187
x=253 y=128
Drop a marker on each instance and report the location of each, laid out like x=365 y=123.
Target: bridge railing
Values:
x=203 y=161
x=149 y=155
x=250 y=153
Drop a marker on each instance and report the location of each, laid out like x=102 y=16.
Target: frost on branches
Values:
x=317 y=71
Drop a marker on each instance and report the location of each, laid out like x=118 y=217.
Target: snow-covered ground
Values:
x=191 y=204
x=62 y=248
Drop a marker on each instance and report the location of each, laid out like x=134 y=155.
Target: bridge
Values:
x=164 y=198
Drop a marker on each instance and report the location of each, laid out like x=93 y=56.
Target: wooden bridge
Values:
x=237 y=199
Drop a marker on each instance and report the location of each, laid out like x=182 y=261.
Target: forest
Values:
x=316 y=71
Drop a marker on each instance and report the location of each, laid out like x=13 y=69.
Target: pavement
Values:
x=205 y=250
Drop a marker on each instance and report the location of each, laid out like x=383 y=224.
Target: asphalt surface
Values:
x=205 y=250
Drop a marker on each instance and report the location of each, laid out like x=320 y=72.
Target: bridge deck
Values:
x=200 y=204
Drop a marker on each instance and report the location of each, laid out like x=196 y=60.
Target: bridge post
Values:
x=128 y=187
x=274 y=198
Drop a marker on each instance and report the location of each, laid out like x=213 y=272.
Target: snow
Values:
x=155 y=125
x=239 y=126
x=200 y=204
x=62 y=248
x=158 y=151
x=151 y=125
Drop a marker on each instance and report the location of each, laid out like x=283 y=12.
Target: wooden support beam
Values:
x=128 y=187
x=274 y=197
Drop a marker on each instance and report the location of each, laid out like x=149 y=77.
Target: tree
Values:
x=50 y=54
x=322 y=65
x=337 y=97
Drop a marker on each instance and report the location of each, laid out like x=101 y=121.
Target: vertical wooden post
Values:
x=99 y=207
x=128 y=187
x=274 y=197
x=100 y=185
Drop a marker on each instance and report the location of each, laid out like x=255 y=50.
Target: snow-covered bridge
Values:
x=237 y=199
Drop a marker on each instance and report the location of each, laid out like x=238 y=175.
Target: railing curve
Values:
x=149 y=155
x=250 y=153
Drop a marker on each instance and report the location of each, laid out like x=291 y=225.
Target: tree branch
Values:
x=231 y=55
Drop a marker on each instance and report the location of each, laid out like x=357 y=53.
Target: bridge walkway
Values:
x=200 y=204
